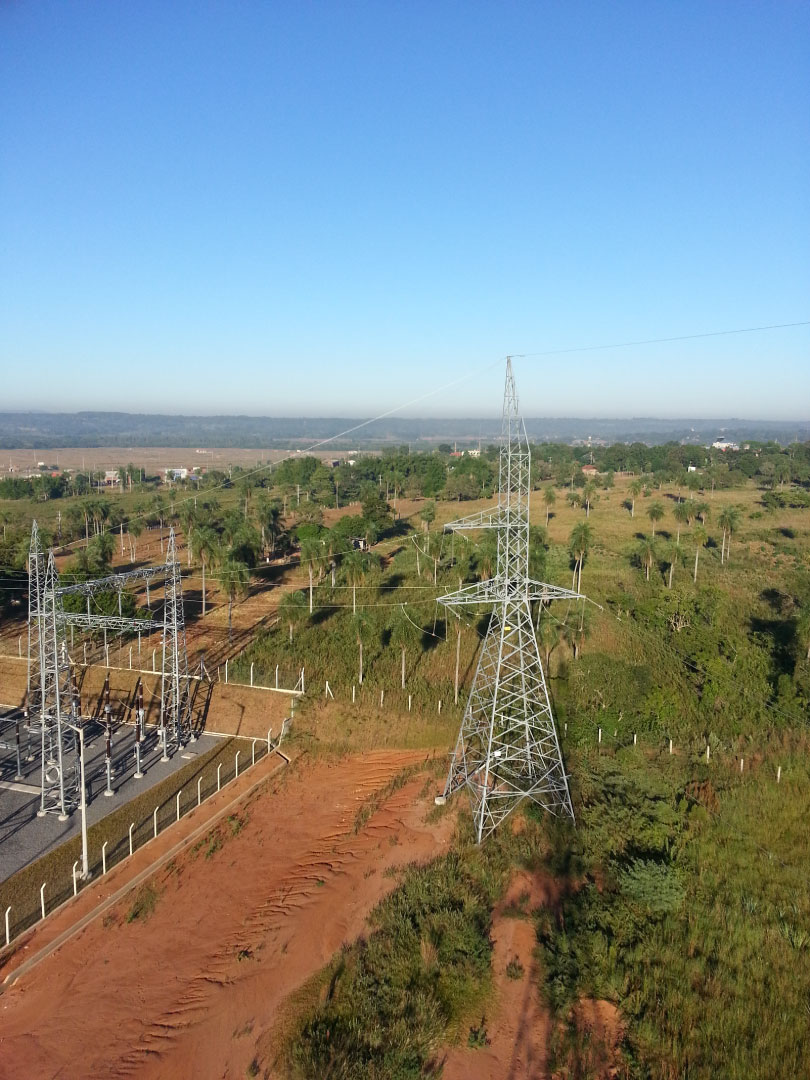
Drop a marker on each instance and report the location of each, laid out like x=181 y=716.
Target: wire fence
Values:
x=114 y=839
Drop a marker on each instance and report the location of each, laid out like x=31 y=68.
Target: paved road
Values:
x=24 y=837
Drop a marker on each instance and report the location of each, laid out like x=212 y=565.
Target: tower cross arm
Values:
x=490 y=518
x=112 y=581
x=540 y=590
x=114 y=623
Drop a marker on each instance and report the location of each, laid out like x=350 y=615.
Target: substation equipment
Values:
x=507 y=748
x=53 y=706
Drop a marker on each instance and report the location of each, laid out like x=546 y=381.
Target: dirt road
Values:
x=190 y=981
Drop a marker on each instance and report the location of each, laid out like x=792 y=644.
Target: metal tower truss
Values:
x=52 y=706
x=507 y=749
x=36 y=585
x=175 y=704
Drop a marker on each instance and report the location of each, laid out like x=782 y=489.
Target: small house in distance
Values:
x=590 y=470
x=722 y=443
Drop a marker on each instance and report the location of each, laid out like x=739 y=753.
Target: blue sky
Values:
x=333 y=208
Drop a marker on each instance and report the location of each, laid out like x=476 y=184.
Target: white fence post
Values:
x=75 y=886
x=179 y=793
x=382 y=698
x=236 y=764
x=132 y=826
x=779 y=774
x=635 y=739
x=741 y=764
x=707 y=753
x=353 y=691
x=599 y=737
x=154 y=819
x=409 y=702
x=153 y=659
x=251 y=672
x=42 y=898
x=104 y=857
x=219 y=770
x=199 y=793
x=226 y=671
x=670 y=746
x=8 y=935
x=269 y=733
x=276 y=676
x=253 y=752
x=440 y=705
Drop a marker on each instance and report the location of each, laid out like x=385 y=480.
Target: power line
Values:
x=662 y=340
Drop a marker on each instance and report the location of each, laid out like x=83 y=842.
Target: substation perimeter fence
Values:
x=147 y=826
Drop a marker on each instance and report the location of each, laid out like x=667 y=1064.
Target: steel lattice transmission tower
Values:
x=175 y=706
x=507 y=749
x=54 y=703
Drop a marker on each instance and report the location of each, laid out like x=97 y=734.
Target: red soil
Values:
x=196 y=987
x=519 y=1025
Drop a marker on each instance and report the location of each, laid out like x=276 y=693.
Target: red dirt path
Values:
x=195 y=988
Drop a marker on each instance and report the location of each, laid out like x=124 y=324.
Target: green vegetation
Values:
x=684 y=885
x=144 y=903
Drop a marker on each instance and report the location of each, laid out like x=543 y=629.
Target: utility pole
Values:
x=507 y=748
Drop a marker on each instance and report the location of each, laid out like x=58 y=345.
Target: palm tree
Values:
x=579 y=542
x=675 y=556
x=646 y=552
x=268 y=514
x=549 y=498
x=655 y=512
x=134 y=530
x=702 y=511
x=311 y=557
x=360 y=622
x=683 y=516
x=292 y=609
x=588 y=494
x=548 y=634
x=207 y=544
x=635 y=491
x=402 y=634
x=728 y=521
x=700 y=536
x=355 y=566
x=234 y=578
x=803 y=628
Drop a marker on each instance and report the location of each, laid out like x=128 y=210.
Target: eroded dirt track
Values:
x=194 y=987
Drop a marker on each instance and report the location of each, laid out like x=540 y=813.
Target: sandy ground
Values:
x=156 y=457
x=518 y=1023
x=195 y=988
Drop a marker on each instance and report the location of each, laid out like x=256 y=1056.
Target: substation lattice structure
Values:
x=52 y=699
x=507 y=748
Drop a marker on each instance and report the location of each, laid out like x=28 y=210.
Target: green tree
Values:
x=646 y=553
x=682 y=515
x=674 y=556
x=235 y=580
x=549 y=498
x=579 y=544
x=635 y=491
x=293 y=609
x=588 y=496
x=655 y=512
x=206 y=542
x=700 y=536
x=728 y=520
x=312 y=558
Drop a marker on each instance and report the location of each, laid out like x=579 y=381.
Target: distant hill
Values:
x=40 y=430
